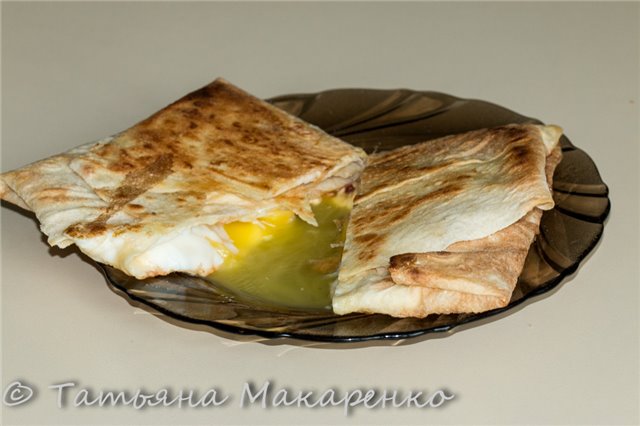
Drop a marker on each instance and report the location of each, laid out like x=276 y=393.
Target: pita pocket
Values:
x=154 y=199
x=444 y=226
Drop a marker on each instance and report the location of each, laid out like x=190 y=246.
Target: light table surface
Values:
x=76 y=72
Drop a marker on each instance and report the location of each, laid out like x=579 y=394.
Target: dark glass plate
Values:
x=379 y=120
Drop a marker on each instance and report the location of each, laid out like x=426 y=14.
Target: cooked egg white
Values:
x=197 y=250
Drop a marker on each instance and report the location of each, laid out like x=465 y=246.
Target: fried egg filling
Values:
x=276 y=259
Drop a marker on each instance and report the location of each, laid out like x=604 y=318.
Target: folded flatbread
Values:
x=153 y=199
x=445 y=226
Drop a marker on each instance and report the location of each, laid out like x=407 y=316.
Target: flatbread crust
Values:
x=144 y=198
x=450 y=234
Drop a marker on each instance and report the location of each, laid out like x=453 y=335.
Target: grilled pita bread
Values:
x=152 y=200
x=449 y=232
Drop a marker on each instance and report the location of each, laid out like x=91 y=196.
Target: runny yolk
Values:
x=282 y=260
x=246 y=235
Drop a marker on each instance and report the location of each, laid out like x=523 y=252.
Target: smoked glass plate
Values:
x=379 y=120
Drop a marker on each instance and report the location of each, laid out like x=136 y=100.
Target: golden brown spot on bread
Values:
x=54 y=194
x=197 y=95
x=512 y=133
x=88 y=229
x=127 y=228
x=366 y=255
x=150 y=137
x=366 y=238
x=191 y=113
x=140 y=180
x=369 y=241
x=87 y=169
x=135 y=183
x=400 y=260
x=521 y=156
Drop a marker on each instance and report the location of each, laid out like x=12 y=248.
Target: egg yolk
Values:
x=249 y=234
x=282 y=260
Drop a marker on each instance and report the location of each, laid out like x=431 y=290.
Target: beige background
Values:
x=75 y=72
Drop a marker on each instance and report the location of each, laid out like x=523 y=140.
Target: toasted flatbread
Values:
x=450 y=230
x=153 y=199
